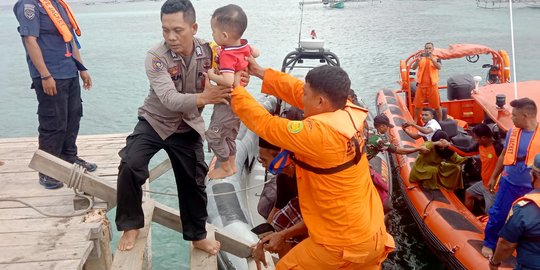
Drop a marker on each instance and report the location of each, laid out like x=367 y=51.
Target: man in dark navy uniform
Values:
x=522 y=229
x=54 y=63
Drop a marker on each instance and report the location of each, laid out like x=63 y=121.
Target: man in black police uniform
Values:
x=522 y=229
x=170 y=119
x=55 y=65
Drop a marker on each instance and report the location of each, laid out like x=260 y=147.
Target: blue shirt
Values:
x=34 y=21
x=524 y=221
x=519 y=174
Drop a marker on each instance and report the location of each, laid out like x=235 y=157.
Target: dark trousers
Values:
x=59 y=117
x=185 y=150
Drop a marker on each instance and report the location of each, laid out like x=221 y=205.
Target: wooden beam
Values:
x=133 y=259
x=159 y=170
x=164 y=215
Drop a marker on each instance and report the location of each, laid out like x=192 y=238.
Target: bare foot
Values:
x=208 y=245
x=219 y=173
x=127 y=241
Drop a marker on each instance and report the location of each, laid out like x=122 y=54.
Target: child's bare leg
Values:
x=232 y=163
x=222 y=171
x=208 y=245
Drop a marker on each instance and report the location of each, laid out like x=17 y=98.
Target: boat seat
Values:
x=450 y=127
x=462 y=140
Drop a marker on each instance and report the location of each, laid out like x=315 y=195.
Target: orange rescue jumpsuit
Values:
x=343 y=211
x=428 y=77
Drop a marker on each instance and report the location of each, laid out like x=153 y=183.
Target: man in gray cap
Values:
x=522 y=228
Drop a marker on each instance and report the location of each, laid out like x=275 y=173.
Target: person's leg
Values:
x=216 y=136
x=231 y=142
x=52 y=117
x=187 y=158
x=489 y=198
x=434 y=101
x=419 y=102
x=74 y=114
x=140 y=147
x=472 y=194
x=498 y=213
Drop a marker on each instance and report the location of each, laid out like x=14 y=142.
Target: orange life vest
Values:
x=60 y=24
x=532 y=197
x=510 y=157
x=341 y=122
x=426 y=65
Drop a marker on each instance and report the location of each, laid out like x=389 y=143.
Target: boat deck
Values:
x=31 y=240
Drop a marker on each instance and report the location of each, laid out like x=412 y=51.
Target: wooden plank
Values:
x=50 y=265
x=200 y=259
x=164 y=215
x=160 y=170
x=30 y=213
x=38 y=201
x=40 y=224
x=44 y=237
x=60 y=170
x=133 y=259
x=51 y=252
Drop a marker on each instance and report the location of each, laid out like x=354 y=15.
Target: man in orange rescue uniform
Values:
x=428 y=76
x=340 y=205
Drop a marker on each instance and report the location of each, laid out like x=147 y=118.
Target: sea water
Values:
x=369 y=38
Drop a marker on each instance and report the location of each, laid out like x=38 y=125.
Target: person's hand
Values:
x=491 y=184
x=492 y=267
x=424 y=150
x=87 y=80
x=254 y=68
x=211 y=74
x=405 y=125
x=444 y=143
x=241 y=78
x=257 y=252
x=49 y=86
x=213 y=94
x=274 y=242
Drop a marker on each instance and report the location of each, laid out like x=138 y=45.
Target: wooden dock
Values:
x=31 y=240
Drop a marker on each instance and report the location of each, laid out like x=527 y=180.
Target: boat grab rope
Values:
x=211 y=195
x=424 y=214
x=75 y=182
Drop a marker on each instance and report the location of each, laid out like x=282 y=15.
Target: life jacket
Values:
x=341 y=121
x=510 y=157
x=60 y=24
x=531 y=197
x=426 y=65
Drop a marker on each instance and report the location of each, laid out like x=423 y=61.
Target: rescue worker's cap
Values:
x=536 y=164
x=382 y=119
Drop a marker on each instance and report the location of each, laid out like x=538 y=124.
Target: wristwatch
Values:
x=493 y=263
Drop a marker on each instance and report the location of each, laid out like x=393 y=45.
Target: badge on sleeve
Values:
x=157 y=64
x=295 y=126
x=29 y=11
x=198 y=51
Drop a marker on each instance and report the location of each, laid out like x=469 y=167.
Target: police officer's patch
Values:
x=29 y=11
x=157 y=64
x=198 y=51
x=295 y=126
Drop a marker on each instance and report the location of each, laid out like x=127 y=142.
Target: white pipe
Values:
x=513 y=48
